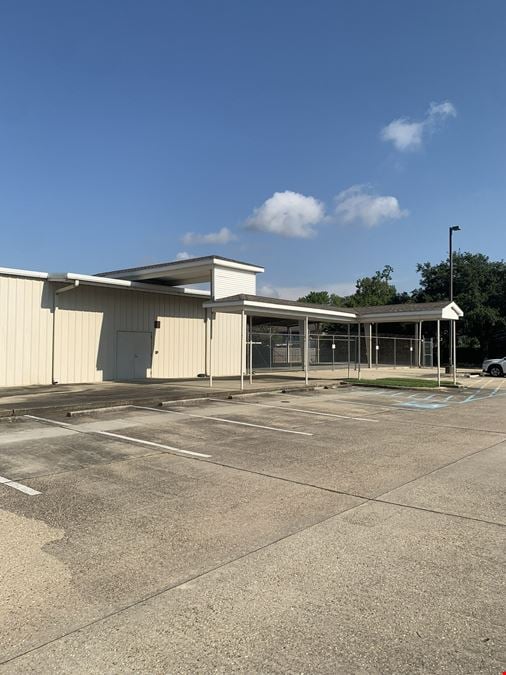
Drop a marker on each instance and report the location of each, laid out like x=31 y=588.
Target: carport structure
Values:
x=249 y=306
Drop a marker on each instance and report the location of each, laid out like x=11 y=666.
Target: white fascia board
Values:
x=218 y=262
x=13 y=272
x=303 y=311
x=184 y=265
x=407 y=317
x=129 y=285
x=273 y=309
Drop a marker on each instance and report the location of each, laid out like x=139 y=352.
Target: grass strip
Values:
x=400 y=382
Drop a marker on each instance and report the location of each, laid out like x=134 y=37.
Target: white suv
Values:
x=494 y=367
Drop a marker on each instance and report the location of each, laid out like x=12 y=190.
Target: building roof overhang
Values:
x=174 y=273
x=93 y=280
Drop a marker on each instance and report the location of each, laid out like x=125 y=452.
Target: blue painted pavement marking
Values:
x=425 y=406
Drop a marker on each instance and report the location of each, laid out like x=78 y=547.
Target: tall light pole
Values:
x=451 y=230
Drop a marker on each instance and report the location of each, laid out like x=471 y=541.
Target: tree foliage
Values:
x=479 y=289
x=375 y=290
x=322 y=298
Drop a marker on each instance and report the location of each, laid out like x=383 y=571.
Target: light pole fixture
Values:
x=451 y=230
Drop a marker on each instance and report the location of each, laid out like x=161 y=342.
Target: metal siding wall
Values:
x=25 y=331
x=231 y=282
x=88 y=319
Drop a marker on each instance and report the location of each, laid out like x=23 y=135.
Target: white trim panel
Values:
x=13 y=272
x=129 y=285
x=274 y=309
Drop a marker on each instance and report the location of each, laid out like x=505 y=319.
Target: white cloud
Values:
x=183 y=255
x=223 y=236
x=408 y=135
x=444 y=109
x=404 y=135
x=358 y=206
x=289 y=214
x=296 y=292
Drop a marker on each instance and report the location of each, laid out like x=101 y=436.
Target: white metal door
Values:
x=133 y=356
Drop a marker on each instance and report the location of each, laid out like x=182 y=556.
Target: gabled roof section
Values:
x=400 y=307
x=410 y=311
x=177 y=272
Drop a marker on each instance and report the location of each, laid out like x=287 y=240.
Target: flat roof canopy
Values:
x=260 y=306
x=410 y=312
x=175 y=273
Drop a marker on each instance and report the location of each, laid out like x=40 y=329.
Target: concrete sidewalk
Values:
x=66 y=397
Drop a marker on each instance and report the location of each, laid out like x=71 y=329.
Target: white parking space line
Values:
x=222 y=419
x=300 y=410
x=18 y=486
x=130 y=439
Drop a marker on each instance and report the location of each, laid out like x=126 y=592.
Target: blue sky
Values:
x=296 y=135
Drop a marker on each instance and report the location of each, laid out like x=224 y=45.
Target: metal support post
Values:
x=416 y=344
x=438 y=353
x=369 y=345
x=251 y=349
x=211 y=331
x=349 y=350
x=455 y=352
x=306 y=349
x=359 y=350
x=242 y=349
x=376 y=346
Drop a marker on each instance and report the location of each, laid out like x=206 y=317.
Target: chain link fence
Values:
x=278 y=351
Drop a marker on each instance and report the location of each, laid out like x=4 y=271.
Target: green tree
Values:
x=479 y=290
x=322 y=298
x=317 y=298
x=375 y=290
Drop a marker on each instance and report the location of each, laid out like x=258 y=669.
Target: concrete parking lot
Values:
x=18 y=400
x=336 y=531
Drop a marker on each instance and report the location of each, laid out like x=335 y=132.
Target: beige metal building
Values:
x=127 y=324
x=148 y=322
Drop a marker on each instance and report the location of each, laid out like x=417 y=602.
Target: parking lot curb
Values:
x=401 y=388
x=82 y=408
